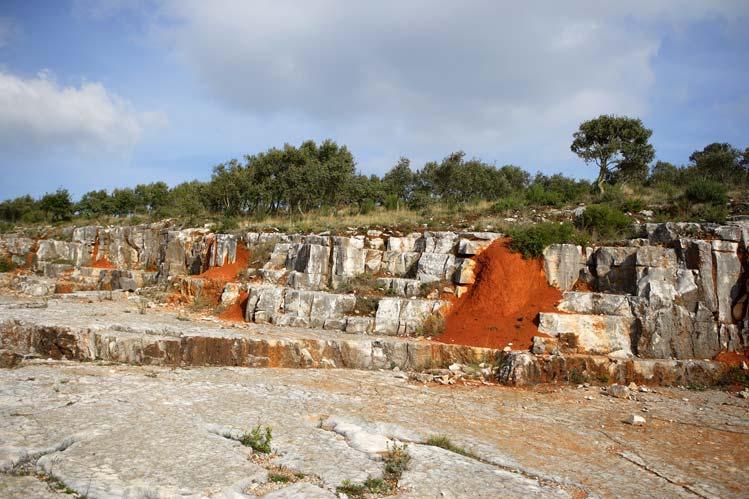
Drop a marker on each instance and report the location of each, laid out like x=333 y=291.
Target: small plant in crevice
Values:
x=444 y=442
x=432 y=325
x=396 y=461
x=371 y=485
x=258 y=439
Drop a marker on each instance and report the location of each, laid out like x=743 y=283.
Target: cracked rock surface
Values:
x=128 y=431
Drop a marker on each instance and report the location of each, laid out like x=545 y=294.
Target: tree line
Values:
x=311 y=176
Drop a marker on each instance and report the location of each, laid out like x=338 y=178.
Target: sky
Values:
x=111 y=93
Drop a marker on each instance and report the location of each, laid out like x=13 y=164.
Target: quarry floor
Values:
x=130 y=431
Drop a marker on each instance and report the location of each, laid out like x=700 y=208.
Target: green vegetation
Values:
x=396 y=461
x=316 y=186
x=604 y=221
x=618 y=145
x=258 y=439
x=532 y=239
x=443 y=441
x=706 y=191
x=7 y=265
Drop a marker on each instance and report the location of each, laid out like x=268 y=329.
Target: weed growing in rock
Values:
x=444 y=442
x=258 y=439
x=370 y=485
x=6 y=265
x=396 y=460
x=351 y=489
x=433 y=325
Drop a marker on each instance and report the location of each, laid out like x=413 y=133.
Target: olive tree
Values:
x=616 y=144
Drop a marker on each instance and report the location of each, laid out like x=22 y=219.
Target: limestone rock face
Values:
x=398 y=316
x=435 y=267
x=16 y=248
x=400 y=264
x=436 y=242
x=598 y=334
x=468 y=247
x=223 y=250
x=562 y=264
x=465 y=272
x=614 y=269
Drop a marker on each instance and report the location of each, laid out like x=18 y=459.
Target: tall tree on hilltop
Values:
x=618 y=145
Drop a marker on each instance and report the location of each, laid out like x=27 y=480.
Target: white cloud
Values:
x=37 y=115
x=482 y=75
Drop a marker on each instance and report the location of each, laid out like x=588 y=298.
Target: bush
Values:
x=509 y=203
x=538 y=196
x=226 y=225
x=604 y=221
x=392 y=202
x=257 y=439
x=396 y=461
x=706 y=191
x=531 y=240
x=632 y=205
x=367 y=206
x=713 y=213
x=6 y=265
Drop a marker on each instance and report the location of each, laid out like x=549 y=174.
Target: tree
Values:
x=57 y=206
x=95 y=203
x=718 y=161
x=616 y=144
x=398 y=182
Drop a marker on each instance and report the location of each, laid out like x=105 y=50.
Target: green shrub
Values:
x=367 y=206
x=443 y=441
x=632 y=205
x=509 y=203
x=706 y=191
x=604 y=221
x=713 y=213
x=538 y=196
x=226 y=225
x=532 y=239
x=7 y=265
x=258 y=439
x=392 y=202
x=396 y=461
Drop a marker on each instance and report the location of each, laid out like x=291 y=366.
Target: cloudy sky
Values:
x=105 y=93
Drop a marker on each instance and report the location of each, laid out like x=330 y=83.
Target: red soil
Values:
x=230 y=271
x=103 y=263
x=733 y=358
x=236 y=311
x=502 y=306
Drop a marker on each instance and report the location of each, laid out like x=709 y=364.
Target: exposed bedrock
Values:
x=677 y=291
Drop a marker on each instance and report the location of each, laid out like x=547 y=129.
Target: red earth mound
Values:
x=236 y=310
x=230 y=271
x=502 y=306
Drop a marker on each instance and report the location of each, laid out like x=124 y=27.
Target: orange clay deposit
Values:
x=235 y=312
x=503 y=304
x=229 y=271
x=733 y=359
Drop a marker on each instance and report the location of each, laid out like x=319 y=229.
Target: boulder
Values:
x=596 y=303
x=435 y=267
x=348 y=256
x=562 y=265
x=468 y=247
x=594 y=334
x=436 y=242
x=400 y=264
x=614 y=269
x=465 y=272
x=729 y=278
